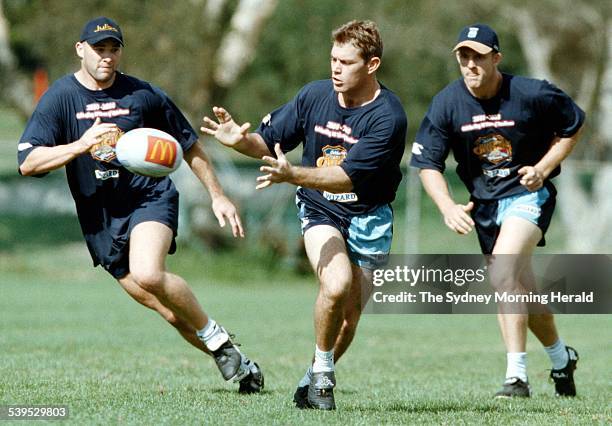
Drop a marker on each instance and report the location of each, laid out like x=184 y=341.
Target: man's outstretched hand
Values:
x=225 y=129
x=278 y=170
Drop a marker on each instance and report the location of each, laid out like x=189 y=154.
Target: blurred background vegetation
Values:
x=253 y=55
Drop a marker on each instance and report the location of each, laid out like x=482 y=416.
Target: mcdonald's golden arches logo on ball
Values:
x=161 y=151
x=149 y=152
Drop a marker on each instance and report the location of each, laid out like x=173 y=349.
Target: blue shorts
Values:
x=367 y=236
x=109 y=247
x=536 y=207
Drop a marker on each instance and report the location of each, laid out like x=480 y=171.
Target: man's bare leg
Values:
x=150 y=284
x=150 y=301
x=149 y=244
x=326 y=251
x=362 y=280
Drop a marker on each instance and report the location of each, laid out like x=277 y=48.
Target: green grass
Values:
x=38 y=231
x=69 y=335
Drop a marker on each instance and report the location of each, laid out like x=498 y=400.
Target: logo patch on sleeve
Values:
x=23 y=146
x=417 y=148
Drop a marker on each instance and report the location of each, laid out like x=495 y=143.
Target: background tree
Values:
x=14 y=84
x=574 y=50
x=192 y=49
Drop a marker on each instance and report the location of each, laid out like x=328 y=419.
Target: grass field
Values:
x=70 y=336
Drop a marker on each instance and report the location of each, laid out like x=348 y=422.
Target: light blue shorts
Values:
x=527 y=205
x=368 y=237
x=536 y=207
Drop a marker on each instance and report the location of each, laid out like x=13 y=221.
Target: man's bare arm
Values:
x=456 y=216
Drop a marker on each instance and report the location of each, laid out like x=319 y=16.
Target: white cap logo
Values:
x=473 y=32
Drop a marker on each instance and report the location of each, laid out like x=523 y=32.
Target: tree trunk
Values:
x=14 y=86
x=586 y=211
x=237 y=48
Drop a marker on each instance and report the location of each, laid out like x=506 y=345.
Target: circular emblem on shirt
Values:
x=104 y=150
x=493 y=148
x=332 y=156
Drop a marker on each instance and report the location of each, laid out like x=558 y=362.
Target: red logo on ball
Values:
x=161 y=151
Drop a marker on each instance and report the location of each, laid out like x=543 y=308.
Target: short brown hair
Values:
x=362 y=34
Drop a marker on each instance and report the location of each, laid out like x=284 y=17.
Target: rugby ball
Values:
x=149 y=152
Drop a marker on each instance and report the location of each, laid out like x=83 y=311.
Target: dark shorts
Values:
x=110 y=247
x=536 y=207
x=368 y=236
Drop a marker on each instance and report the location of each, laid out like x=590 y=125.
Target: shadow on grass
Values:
x=450 y=407
x=234 y=392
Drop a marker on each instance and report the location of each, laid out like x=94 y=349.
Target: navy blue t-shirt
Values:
x=367 y=142
x=105 y=193
x=492 y=139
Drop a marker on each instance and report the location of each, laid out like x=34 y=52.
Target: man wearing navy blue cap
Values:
x=129 y=221
x=509 y=135
x=99 y=29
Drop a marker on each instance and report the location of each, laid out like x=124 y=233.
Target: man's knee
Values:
x=149 y=280
x=335 y=289
x=504 y=274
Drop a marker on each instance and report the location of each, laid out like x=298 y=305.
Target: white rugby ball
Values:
x=149 y=152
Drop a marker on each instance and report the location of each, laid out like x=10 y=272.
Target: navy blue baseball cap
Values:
x=99 y=29
x=478 y=37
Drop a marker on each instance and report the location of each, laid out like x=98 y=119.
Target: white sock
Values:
x=558 y=355
x=306 y=379
x=213 y=335
x=517 y=365
x=324 y=360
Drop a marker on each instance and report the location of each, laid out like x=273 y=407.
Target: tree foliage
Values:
x=174 y=45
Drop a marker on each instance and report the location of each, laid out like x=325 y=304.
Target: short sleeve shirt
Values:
x=492 y=139
x=367 y=142
x=105 y=193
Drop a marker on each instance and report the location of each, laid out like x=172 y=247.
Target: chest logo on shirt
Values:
x=106 y=174
x=493 y=148
x=102 y=110
x=335 y=130
x=484 y=121
x=104 y=150
x=332 y=156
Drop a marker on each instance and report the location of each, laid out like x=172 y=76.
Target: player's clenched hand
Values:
x=532 y=178
x=94 y=133
x=457 y=217
x=279 y=169
x=225 y=129
x=224 y=209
